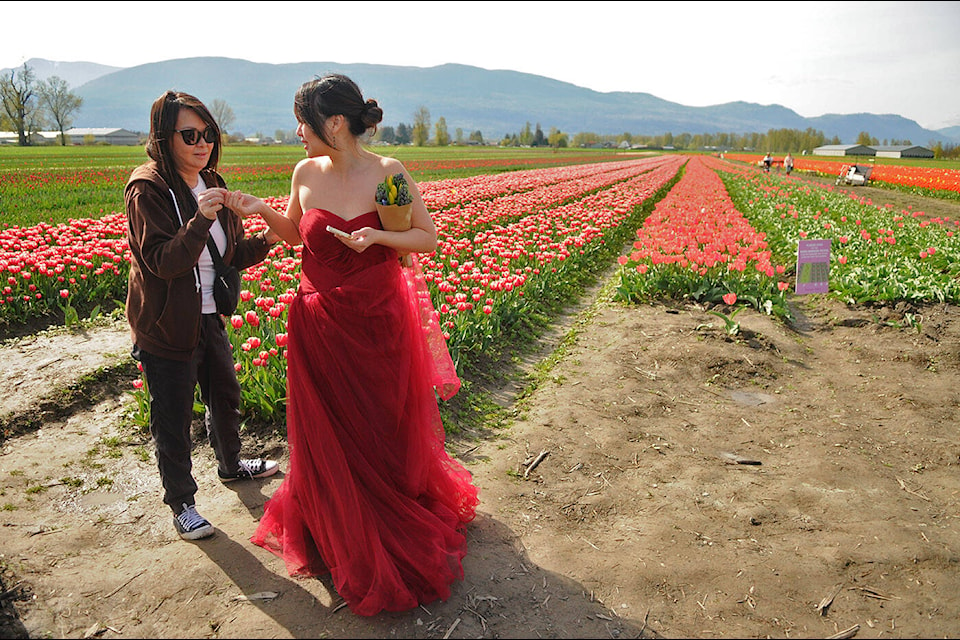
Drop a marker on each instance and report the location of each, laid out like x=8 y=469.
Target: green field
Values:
x=56 y=184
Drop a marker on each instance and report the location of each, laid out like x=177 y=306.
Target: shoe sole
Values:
x=197 y=534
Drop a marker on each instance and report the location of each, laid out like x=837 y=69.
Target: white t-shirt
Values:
x=205 y=263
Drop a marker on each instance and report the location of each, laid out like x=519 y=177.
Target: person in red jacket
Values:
x=174 y=202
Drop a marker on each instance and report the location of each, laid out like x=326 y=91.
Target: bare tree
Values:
x=443 y=136
x=223 y=114
x=18 y=92
x=60 y=103
x=421 y=126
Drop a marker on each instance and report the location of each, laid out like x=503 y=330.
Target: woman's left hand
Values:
x=360 y=239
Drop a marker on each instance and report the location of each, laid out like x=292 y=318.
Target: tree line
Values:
x=775 y=140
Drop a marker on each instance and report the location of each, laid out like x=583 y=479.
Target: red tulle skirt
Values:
x=371 y=495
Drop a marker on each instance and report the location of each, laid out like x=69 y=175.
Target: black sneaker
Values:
x=256 y=468
x=191 y=525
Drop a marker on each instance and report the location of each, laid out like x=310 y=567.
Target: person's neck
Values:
x=345 y=160
x=192 y=179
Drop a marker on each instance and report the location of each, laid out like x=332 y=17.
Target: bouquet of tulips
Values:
x=394 y=206
x=393 y=190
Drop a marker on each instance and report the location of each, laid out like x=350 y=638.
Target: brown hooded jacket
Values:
x=166 y=238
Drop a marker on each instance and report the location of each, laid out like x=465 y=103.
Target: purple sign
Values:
x=813 y=266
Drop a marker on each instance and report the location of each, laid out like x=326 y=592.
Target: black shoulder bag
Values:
x=226 y=284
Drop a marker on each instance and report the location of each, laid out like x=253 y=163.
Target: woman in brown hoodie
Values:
x=174 y=203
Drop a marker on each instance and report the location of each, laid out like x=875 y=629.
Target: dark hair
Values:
x=332 y=95
x=163 y=125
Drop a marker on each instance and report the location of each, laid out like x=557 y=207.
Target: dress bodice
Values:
x=327 y=262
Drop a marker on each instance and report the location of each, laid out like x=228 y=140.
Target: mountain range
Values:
x=496 y=103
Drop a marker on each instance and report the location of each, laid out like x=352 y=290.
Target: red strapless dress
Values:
x=371 y=495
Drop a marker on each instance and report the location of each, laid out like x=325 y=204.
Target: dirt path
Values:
x=790 y=481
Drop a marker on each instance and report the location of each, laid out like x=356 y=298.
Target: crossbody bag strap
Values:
x=215 y=254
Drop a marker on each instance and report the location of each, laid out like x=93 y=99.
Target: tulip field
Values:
x=510 y=247
x=57 y=184
x=728 y=228
x=515 y=245
x=937 y=182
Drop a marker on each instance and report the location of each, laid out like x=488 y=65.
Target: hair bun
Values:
x=371 y=114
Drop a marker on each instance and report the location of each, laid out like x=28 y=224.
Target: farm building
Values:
x=11 y=137
x=102 y=135
x=904 y=151
x=76 y=135
x=844 y=150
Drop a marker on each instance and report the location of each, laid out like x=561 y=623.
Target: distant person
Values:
x=174 y=203
x=788 y=163
x=371 y=496
x=767 y=161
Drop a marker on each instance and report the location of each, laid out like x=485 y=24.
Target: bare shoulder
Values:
x=310 y=167
x=313 y=164
x=391 y=165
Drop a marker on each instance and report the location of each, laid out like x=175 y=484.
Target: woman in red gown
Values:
x=371 y=495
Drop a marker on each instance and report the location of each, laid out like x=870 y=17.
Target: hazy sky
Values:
x=813 y=57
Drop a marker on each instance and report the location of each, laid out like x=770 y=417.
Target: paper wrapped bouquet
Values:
x=394 y=206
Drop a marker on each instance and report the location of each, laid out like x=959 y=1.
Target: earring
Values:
x=334 y=145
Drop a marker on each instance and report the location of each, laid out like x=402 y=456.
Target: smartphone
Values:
x=338 y=232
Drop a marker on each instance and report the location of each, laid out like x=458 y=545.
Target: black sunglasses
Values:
x=192 y=136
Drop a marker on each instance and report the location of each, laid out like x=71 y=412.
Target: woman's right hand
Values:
x=244 y=204
x=210 y=201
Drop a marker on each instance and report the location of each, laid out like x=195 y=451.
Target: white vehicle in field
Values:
x=857 y=175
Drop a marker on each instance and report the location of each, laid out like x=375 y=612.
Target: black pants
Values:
x=172 y=385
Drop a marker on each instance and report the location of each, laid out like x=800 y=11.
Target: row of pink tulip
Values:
x=696 y=244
